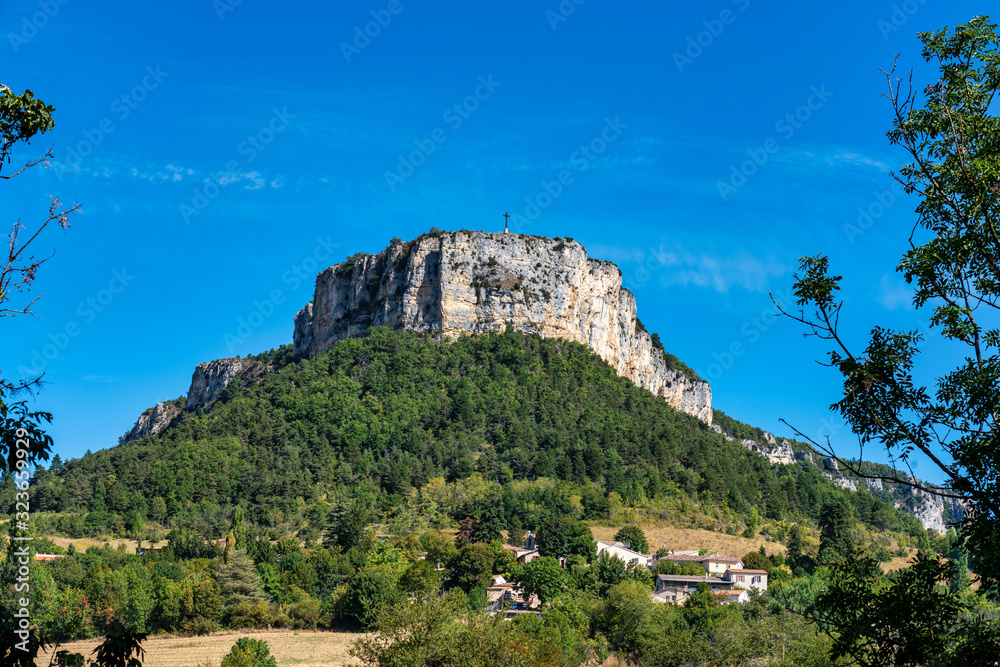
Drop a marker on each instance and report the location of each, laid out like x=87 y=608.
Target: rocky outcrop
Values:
x=457 y=283
x=934 y=512
x=770 y=448
x=154 y=420
x=209 y=379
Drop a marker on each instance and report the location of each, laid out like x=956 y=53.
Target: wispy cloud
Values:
x=893 y=294
x=676 y=265
x=104 y=379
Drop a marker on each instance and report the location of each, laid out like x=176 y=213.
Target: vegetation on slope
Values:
x=388 y=414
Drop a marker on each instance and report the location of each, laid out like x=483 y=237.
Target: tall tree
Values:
x=348 y=523
x=562 y=536
x=470 y=568
x=634 y=537
x=238 y=581
x=835 y=542
x=952 y=136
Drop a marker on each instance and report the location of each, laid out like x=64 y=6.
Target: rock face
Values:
x=209 y=379
x=152 y=421
x=935 y=512
x=472 y=282
x=770 y=448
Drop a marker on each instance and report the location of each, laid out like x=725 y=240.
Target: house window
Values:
x=740 y=578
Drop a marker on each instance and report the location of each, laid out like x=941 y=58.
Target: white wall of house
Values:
x=626 y=555
x=748 y=579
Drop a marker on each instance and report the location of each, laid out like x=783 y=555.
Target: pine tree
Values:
x=238 y=581
x=835 y=541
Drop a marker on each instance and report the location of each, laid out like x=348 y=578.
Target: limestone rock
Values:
x=465 y=282
x=209 y=379
x=152 y=421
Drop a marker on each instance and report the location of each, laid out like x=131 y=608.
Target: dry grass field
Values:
x=81 y=543
x=302 y=649
x=695 y=538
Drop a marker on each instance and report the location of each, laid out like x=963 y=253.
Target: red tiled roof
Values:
x=732 y=569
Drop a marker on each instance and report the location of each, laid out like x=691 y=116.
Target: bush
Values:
x=251 y=615
x=247 y=652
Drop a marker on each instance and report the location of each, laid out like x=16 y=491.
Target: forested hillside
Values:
x=393 y=415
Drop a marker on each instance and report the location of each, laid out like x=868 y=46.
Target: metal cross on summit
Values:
x=505 y=216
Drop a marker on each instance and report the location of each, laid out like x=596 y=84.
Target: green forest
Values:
x=323 y=493
x=393 y=413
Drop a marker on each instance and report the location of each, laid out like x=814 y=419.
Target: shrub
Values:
x=247 y=652
x=251 y=615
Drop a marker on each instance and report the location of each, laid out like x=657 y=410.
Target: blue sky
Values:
x=225 y=151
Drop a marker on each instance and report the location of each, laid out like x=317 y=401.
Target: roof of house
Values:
x=618 y=545
x=735 y=592
x=688 y=577
x=719 y=558
x=732 y=569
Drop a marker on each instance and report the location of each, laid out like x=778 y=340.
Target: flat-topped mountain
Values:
x=467 y=282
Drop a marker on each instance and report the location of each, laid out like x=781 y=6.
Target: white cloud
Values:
x=676 y=265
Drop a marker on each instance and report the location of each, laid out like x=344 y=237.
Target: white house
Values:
x=716 y=563
x=738 y=595
x=619 y=550
x=747 y=578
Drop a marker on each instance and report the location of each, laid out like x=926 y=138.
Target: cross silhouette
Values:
x=505 y=216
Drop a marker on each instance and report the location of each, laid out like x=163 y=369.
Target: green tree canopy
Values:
x=634 y=537
x=951 y=131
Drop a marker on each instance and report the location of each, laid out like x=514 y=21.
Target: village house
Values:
x=738 y=595
x=619 y=550
x=522 y=555
x=731 y=583
x=747 y=578
x=690 y=582
x=716 y=563
x=672 y=594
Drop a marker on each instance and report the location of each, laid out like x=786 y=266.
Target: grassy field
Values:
x=695 y=538
x=303 y=649
x=81 y=543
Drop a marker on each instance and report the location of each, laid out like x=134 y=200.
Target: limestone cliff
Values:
x=456 y=283
x=154 y=420
x=209 y=379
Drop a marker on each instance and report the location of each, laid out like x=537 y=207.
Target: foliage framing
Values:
x=954 y=141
